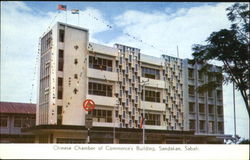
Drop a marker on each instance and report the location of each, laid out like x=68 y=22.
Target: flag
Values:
x=75 y=11
x=61 y=7
x=141 y=124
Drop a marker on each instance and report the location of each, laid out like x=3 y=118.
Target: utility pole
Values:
x=234 y=112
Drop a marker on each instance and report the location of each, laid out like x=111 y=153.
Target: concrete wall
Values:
x=73 y=113
x=153 y=106
x=104 y=75
x=110 y=51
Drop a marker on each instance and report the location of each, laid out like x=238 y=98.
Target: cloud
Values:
x=90 y=18
x=184 y=27
x=169 y=10
x=21 y=28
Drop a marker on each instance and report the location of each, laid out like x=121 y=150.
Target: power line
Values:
x=132 y=36
x=35 y=71
x=53 y=20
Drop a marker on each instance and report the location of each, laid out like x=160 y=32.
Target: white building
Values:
x=72 y=69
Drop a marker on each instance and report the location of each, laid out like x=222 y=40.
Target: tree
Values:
x=231 y=47
x=245 y=141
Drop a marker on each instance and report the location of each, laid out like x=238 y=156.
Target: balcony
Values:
x=105 y=75
x=154 y=82
x=153 y=106
x=102 y=100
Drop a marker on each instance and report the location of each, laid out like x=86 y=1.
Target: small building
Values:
x=13 y=117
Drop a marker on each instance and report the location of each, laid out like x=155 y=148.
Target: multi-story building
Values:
x=13 y=117
x=204 y=113
x=126 y=86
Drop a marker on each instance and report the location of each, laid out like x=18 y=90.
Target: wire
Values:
x=132 y=36
x=53 y=20
x=35 y=72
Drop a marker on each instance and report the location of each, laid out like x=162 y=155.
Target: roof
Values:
x=19 y=108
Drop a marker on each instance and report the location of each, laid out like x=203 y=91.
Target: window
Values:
x=201 y=95
x=219 y=94
x=60 y=88
x=211 y=127
x=192 y=124
x=76 y=61
x=76 y=76
x=136 y=67
x=32 y=121
x=4 y=121
x=201 y=77
x=130 y=58
x=60 y=62
x=210 y=109
x=150 y=73
x=202 y=125
x=220 y=110
x=100 y=89
x=100 y=63
x=59 y=115
x=61 y=35
x=201 y=108
x=46 y=42
x=210 y=78
x=17 y=121
x=151 y=96
x=220 y=126
x=191 y=90
x=24 y=121
x=210 y=94
x=191 y=107
x=190 y=73
x=219 y=79
x=102 y=116
x=152 y=119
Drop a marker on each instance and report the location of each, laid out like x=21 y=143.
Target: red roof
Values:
x=21 y=108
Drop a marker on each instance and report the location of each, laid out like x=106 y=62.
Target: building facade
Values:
x=127 y=87
x=15 y=116
x=205 y=110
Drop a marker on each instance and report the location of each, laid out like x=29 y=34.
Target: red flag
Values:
x=61 y=7
x=141 y=124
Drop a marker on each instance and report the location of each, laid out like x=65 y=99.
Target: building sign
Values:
x=89 y=105
x=88 y=121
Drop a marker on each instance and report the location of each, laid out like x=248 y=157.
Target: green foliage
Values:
x=231 y=47
x=245 y=141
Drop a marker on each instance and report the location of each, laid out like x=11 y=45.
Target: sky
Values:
x=163 y=25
